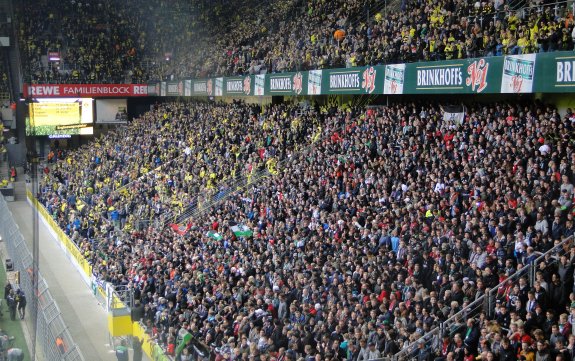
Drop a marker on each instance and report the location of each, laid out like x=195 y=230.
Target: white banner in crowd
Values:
x=455 y=114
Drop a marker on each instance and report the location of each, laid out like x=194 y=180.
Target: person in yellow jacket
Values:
x=449 y=51
x=459 y=50
x=513 y=21
x=527 y=352
x=523 y=44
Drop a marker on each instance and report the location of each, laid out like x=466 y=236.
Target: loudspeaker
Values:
x=9 y=265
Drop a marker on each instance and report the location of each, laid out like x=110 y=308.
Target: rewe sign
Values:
x=85 y=90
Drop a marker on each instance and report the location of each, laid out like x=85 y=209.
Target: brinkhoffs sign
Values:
x=527 y=73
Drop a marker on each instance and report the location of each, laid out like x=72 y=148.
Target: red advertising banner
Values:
x=85 y=90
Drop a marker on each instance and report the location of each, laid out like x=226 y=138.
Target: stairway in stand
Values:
x=11 y=54
x=4 y=168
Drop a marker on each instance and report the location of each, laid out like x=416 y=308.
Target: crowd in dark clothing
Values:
x=142 y=41
x=371 y=227
x=418 y=31
x=82 y=42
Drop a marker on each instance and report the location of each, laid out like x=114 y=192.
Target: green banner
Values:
x=239 y=86
x=202 y=87
x=527 y=73
x=175 y=88
x=364 y=80
x=469 y=76
x=555 y=73
x=282 y=84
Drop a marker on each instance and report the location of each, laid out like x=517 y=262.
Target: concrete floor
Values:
x=85 y=317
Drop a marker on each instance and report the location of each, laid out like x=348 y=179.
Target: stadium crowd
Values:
x=4 y=83
x=143 y=41
x=104 y=42
x=372 y=226
x=88 y=41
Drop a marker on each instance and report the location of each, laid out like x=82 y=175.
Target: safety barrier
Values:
x=521 y=73
x=486 y=302
x=100 y=290
x=52 y=337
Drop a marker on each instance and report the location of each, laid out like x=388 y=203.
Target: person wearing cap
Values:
x=422 y=351
x=122 y=351
x=373 y=353
x=291 y=355
x=364 y=349
x=21 y=300
x=526 y=351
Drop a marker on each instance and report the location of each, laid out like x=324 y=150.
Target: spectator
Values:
x=21 y=302
x=122 y=351
x=143 y=40
x=12 y=303
x=15 y=354
x=338 y=251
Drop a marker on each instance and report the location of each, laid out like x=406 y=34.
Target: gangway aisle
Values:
x=85 y=318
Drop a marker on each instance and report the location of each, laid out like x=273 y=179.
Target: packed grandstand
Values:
x=319 y=230
x=375 y=226
x=160 y=40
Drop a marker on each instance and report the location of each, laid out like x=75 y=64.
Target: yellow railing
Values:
x=148 y=346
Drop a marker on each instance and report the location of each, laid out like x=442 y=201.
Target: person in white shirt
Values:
x=544 y=149
x=439 y=186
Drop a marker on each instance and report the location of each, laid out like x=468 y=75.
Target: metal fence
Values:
x=485 y=303
x=53 y=339
x=208 y=201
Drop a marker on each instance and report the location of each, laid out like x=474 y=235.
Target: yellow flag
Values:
x=316 y=135
x=272 y=166
x=124 y=192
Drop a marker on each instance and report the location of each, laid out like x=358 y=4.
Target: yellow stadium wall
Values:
x=82 y=265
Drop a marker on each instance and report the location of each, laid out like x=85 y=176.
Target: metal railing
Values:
x=208 y=201
x=559 y=8
x=50 y=327
x=486 y=303
x=551 y=256
x=431 y=341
